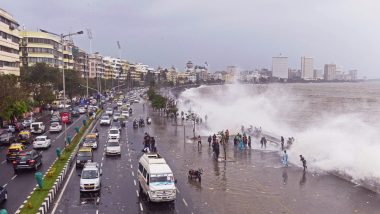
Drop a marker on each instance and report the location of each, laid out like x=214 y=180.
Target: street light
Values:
x=62 y=36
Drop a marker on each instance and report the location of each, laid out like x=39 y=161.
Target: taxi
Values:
x=25 y=137
x=91 y=140
x=13 y=150
x=84 y=155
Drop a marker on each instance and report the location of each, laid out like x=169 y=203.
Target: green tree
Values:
x=13 y=97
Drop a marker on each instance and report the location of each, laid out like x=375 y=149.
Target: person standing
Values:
x=285 y=159
x=153 y=144
x=262 y=142
x=227 y=134
x=265 y=142
x=209 y=140
x=303 y=160
x=249 y=141
x=199 y=140
x=282 y=143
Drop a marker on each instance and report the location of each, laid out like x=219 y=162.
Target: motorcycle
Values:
x=148 y=120
x=135 y=124
x=196 y=174
x=141 y=123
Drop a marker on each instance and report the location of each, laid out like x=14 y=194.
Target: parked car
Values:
x=90 y=180
x=113 y=147
x=83 y=156
x=42 y=142
x=3 y=194
x=28 y=159
x=37 y=128
x=13 y=150
x=6 y=138
x=25 y=137
x=55 y=127
x=105 y=120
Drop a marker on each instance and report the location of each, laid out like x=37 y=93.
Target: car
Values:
x=82 y=110
x=113 y=147
x=83 y=156
x=75 y=112
x=3 y=194
x=55 y=127
x=7 y=138
x=10 y=128
x=114 y=133
x=116 y=116
x=37 y=128
x=90 y=179
x=117 y=124
x=25 y=137
x=119 y=103
x=90 y=141
x=28 y=121
x=109 y=111
x=28 y=159
x=136 y=100
x=13 y=150
x=42 y=142
x=125 y=113
x=54 y=118
x=105 y=120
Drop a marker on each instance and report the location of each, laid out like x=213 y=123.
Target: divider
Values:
x=39 y=200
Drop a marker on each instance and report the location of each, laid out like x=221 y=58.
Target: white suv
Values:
x=90 y=178
x=114 y=133
x=42 y=142
x=113 y=147
x=105 y=120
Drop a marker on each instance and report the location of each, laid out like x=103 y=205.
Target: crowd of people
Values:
x=149 y=144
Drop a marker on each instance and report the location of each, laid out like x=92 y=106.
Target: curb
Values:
x=49 y=200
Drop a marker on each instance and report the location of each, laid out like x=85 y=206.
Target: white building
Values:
x=307 y=68
x=280 y=67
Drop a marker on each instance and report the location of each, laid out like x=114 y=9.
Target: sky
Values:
x=244 y=33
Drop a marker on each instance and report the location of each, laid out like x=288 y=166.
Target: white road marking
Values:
x=141 y=208
x=62 y=191
x=3 y=162
x=178 y=190
x=102 y=158
x=97 y=211
x=184 y=202
x=131 y=166
x=13 y=177
x=137 y=193
x=5 y=185
x=101 y=165
x=133 y=174
x=134 y=181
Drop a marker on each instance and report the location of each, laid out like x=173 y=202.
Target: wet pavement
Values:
x=250 y=181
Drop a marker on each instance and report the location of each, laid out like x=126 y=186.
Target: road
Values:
x=119 y=192
x=21 y=184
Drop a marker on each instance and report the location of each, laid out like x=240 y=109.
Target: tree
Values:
x=73 y=83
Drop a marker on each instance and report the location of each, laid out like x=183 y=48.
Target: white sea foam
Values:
x=331 y=142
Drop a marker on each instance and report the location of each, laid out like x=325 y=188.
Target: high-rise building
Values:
x=40 y=47
x=80 y=61
x=96 y=66
x=318 y=74
x=329 y=72
x=307 y=68
x=353 y=74
x=9 y=44
x=280 y=67
x=68 y=60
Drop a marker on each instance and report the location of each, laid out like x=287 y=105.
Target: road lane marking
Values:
x=134 y=181
x=133 y=174
x=184 y=202
x=62 y=191
x=13 y=177
x=131 y=166
x=141 y=208
x=3 y=162
x=97 y=211
x=101 y=165
x=178 y=190
x=102 y=158
x=137 y=193
x=5 y=185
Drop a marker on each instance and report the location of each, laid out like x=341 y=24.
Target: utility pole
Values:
x=118 y=80
x=89 y=35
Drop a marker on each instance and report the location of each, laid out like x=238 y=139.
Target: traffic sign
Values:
x=65 y=117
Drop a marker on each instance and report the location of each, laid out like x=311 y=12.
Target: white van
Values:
x=37 y=128
x=156 y=179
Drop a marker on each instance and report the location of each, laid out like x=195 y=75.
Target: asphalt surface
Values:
x=119 y=192
x=21 y=184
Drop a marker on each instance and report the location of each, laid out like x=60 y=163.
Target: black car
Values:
x=75 y=112
x=6 y=138
x=3 y=194
x=28 y=159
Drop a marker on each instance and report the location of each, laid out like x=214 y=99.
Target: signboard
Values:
x=65 y=117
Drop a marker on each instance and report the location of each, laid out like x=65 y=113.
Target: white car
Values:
x=82 y=110
x=42 y=142
x=125 y=113
x=113 y=147
x=109 y=111
x=90 y=178
x=116 y=116
x=37 y=128
x=105 y=120
x=55 y=127
x=119 y=103
x=114 y=133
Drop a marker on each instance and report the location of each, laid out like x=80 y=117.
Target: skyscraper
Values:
x=280 y=67
x=330 y=72
x=307 y=68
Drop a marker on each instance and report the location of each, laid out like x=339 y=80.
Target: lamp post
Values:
x=62 y=36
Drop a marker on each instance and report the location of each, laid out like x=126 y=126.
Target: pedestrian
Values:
x=209 y=140
x=199 y=140
x=303 y=160
x=282 y=143
x=265 y=142
x=153 y=144
x=262 y=142
x=285 y=158
x=216 y=150
x=249 y=141
x=214 y=138
x=227 y=134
